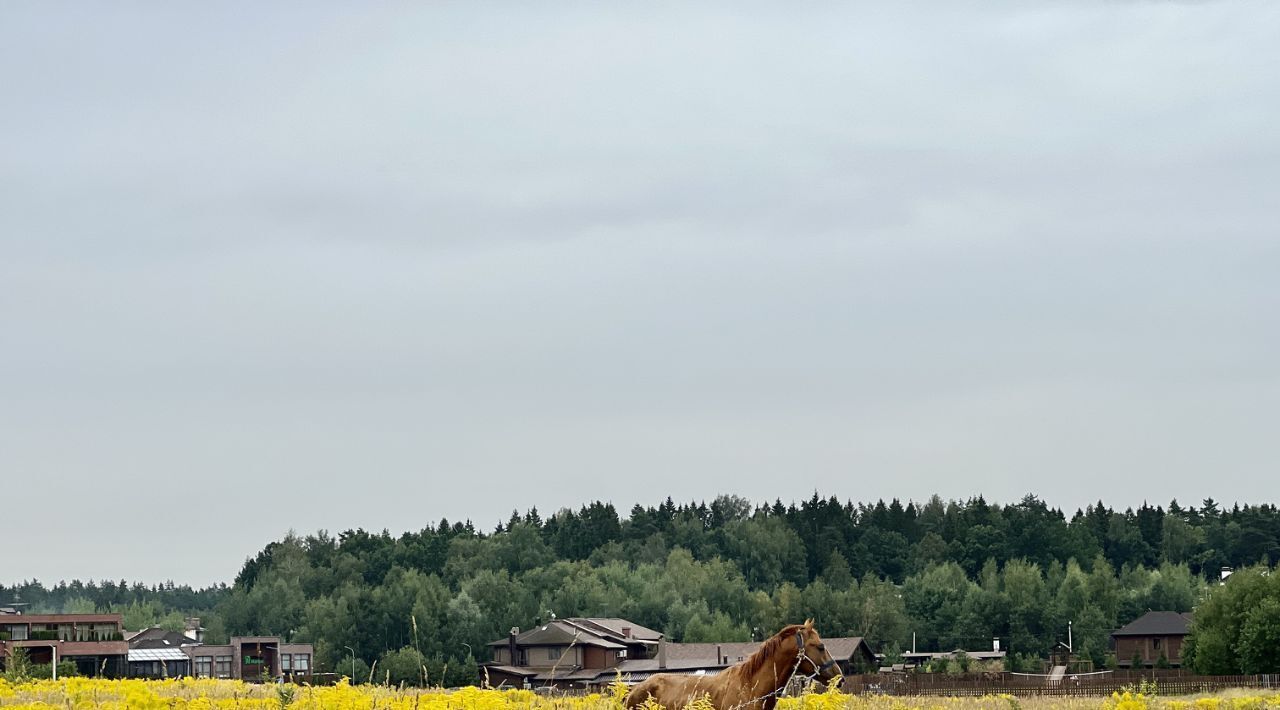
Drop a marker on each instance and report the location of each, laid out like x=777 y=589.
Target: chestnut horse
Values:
x=753 y=684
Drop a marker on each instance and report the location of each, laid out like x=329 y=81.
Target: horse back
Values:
x=671 y=691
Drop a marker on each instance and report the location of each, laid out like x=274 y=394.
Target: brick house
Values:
x=94 y=642
x=1151 y=636
x=253 y=658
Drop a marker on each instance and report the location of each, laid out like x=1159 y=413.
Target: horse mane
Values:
x=756 y=661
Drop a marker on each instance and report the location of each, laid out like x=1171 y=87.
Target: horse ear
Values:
x=808 y=623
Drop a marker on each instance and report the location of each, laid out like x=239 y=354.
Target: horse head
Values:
x=813 y=657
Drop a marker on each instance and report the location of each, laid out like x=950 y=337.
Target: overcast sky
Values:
x=268 y=267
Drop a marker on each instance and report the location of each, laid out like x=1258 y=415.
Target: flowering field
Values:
x=216 y=694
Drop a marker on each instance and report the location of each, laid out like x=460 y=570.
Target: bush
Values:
x=44 y=671
x=1023 y=663
x=18 y=666
x=1235 y=629
x=406 y=666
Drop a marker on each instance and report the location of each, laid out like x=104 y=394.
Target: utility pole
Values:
x=1070 y=646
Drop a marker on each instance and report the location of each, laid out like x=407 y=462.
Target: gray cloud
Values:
x=328 y=266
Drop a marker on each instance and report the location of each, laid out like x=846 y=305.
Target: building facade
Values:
x=156 y=653
x=253 y=658
x=566 y=652
x=99 y=646
x=1154 y=638
x=94 y=642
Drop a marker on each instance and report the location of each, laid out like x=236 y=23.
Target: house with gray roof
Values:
x=567 y=652
x=594 y=652
x=1152 y=636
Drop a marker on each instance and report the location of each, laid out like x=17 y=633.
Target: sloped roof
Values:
x=941 y=655
x=616 y=627
x=606 y=632
x=156 y=637
x=841 y=648
x=735 y=650
x=512 y=670
x=1157 y=623
x=157 y=654
x=687 y=657
x=561 y=632
x=650 y=665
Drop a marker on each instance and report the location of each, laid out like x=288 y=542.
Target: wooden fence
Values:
x=1167 y=682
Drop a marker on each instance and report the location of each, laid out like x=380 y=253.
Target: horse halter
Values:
x=818 y=669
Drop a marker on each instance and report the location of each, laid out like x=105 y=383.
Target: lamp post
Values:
x=353 y=663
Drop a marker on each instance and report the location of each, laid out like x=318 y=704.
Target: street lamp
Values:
x=353 y=663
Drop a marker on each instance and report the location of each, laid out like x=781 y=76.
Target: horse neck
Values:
x=776 y=669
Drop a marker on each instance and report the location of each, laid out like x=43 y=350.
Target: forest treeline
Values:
x=948 y=574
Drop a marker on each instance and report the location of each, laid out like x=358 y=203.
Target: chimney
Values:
x=995 y=644
x=662 y=653
x=626 y=632
x=512 y=649
x=193 y=630
x=720 y=655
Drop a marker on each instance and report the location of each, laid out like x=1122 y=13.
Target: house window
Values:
x=224 y=666
x=553 y=654
x=1155 y=643
x=302 y=662
x=204 y=666
x=18 y=632
x=286 y=662
x=101 y=632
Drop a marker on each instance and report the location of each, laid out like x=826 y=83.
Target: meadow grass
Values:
x=191 y=694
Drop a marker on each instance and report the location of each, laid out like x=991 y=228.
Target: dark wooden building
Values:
x=1155 y=634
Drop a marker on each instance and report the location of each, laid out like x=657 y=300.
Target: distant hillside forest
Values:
x=953 y=574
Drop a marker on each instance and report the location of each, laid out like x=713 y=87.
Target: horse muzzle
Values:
x=830 y=671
